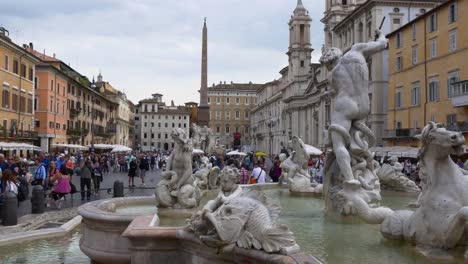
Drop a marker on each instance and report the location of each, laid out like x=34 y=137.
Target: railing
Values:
x=401 y=133
x=459 y=127
x=77 y=132
x=459 y=93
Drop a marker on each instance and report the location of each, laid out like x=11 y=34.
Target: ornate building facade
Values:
x=230 y=107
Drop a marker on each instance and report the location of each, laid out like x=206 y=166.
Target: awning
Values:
x=18 y=146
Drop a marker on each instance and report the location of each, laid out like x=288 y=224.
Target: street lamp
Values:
x=93 y=87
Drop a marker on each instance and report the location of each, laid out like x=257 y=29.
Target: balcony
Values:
x=401 y=133
x=459 y=127
x=74 y=113
x=26 y=135
x=459 y=91
x=77 y=132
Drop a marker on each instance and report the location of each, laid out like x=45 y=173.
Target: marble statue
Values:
x=293 y=169
x=350 y=165
x=440 y=220
x=211 y=138
x=207 y=176
x=195 y=136
x=246 y=219
x=391 y=177
x=177 y=179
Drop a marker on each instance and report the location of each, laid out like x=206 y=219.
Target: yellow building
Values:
x=17 y=75
x=428 y=65
x=230 y=106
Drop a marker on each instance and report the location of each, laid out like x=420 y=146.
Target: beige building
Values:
x=17 y=75
x=429 y=73
x=230 y=106
x=122 y=124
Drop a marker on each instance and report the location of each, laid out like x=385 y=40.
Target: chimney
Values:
x=54 y=55
x=31 y=45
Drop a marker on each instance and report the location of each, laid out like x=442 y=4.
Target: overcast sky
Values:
x=148 y=46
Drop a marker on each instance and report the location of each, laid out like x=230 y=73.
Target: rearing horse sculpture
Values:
x=440 y=219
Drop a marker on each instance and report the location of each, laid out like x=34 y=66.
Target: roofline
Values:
x=435 y=9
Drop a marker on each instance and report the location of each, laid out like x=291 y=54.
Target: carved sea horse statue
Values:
x=177 y=187
x=440 y=220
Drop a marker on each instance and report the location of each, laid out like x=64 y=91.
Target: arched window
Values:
x=344 y=2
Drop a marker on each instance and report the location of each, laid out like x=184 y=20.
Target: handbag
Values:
x=252 y=180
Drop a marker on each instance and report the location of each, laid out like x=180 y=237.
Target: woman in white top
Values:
x=9 y=182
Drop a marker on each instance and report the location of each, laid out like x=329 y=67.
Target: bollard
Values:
x=10 y=205
x=37 y=200
x=118 y=189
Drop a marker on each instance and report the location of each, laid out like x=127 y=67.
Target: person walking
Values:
x=133 y=167
x=144 y=167
x=86 y=169
x=97 y=175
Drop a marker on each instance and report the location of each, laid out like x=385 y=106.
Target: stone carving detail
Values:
x=241 y=218
x=293 y=169
x=176 y=188
x=203 y=138
x=440 y=219
x=206 y=178
x=392 y=178
x=350 y=166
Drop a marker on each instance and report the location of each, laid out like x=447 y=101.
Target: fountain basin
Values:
x=103 y=223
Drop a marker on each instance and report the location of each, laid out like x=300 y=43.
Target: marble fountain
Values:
x=207 y=218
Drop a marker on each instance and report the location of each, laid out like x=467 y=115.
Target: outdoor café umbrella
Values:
x=260 y=154
x=235 y=153
x=121 y=149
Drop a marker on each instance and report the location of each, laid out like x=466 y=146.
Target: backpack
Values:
x=23 y=189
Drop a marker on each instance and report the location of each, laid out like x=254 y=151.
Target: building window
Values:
x=453 y=12
x=237 y=114
x=237 y=100
x=36 y=101
x=246 y=114
x=145 y=135
x=30 y=73
x=451 y=119
x=398 y=40
x=23 y=70
x=7 y=63
x=396 y=21
x=246 y=100
x=433 y=90
x=433 y=46
x=399 y=63
x=414 y=55
x=433 y=23
x=453 y=40
x=302 y=62
x=5 y=98
x=218 y=128
x=209 y=99
x=228 y=100
x=218 y=100
x=14 y=103
x=227 y=129
x=218 y=115
x=398 y=98
x=414 y=32
x=228 y=115
x=415 y=95
x=15 y=67
x=452 y=78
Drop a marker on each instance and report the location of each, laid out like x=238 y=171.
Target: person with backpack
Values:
x=40 y=174
x=258 y=174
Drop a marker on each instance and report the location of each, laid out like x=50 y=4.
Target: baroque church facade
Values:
x=299 y=103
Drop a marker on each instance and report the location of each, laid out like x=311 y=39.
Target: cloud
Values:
x=148 y=46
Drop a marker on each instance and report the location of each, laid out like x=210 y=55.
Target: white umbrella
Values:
x=235 y=153
x=121 y=149
x=197 y=151
x=311 y=150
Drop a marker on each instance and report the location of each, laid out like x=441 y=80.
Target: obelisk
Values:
x=203 y=107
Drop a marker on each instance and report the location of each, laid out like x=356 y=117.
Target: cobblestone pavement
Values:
x=151 y=179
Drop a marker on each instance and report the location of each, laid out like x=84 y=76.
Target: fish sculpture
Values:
x=248 y=223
